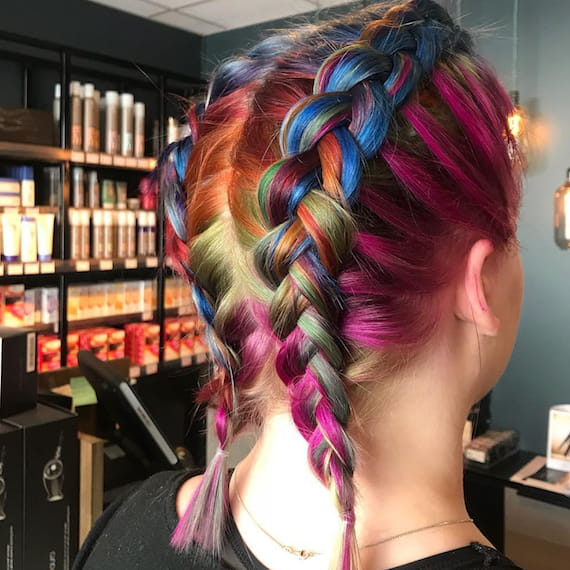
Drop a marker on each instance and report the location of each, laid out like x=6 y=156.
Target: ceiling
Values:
x=206 y=17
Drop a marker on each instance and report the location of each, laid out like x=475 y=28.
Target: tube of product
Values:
x=93 y=190
x=56 y=112
x=89 y=120
x=122 y=234
x=142 y=241
x=121 y=192
x=111 y=122
x=98 y=234
x=85 y=219
x=108 y=195
x=127 y=124
x=29 y=239
x=108 y=249
x=131 y=234
x=151 y=233
x=76 y=108
x=74 y=234
x=78 y=187
x=96 y=120
x=11 y=235
x=139 y=129
x=45 y=236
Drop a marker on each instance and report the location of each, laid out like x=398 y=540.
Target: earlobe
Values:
x=472 y=297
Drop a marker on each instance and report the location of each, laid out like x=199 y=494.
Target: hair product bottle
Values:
x=56 y=113
x=85 y=219
x=139 y=129
x=93 y=190
x=89 y=118
x=108 y=237
x=111 y=122
x=29 y=245
x=131 y=234
x=76 y=108
x=122 y=234
x=127 y=124
x=74 y=234
x=151 y=233
x=97 y=234
x=142 y=241
x=78 y=187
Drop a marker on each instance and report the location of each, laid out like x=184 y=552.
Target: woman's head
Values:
x=334 y=188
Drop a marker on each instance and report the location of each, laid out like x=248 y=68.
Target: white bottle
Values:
x=29 y=237
x=108 y=235
x=89 y=118
x=127 y=124
x=76 y=109
x=112 y=122
x=139 y=129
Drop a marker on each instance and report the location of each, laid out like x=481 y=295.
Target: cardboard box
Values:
x=49 y=310
x=94 y=340
x=11 y=494
x=18 y=377
x=73 y=302
x=13 y=306
x=49 y=352
x=50 y=466
x=72 y=348
x=116 y=344
x=171 y=339
x=558 y=455
x=142 y=343
x=29 y=307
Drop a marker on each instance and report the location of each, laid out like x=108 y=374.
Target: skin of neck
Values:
x=409 y=471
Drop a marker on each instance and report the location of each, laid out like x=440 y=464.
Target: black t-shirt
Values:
x=134 y=533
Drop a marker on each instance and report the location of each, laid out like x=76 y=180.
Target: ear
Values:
x=472 y=295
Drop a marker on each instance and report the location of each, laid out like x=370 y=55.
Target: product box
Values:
x=171 y=339
x=119 y=288
x=73 y=302
x=50 y=465
x=18 y=377
x=13 y=305
x=49 y=352
x=116 y=344
x=109 y=299
x=148 y=296
x=142 y=343
x=49 y=305
x=187 y=336
x=72 y=348
x=10 y=192
x=11 y=496
x=133 y=297
x=29 y=307
x=94 y=340
x=558 y=456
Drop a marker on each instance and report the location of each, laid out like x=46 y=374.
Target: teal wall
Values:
x=538 y=374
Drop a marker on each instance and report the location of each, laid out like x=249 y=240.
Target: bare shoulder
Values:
x=185 y=493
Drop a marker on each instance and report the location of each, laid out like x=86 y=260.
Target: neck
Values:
x=409 y=475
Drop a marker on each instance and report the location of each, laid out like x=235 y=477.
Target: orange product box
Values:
x=72 y=348
x=13 y=306
x=119 y=288
x=187 y=336
x=171 y=339
x=142 y=341
x=115 y=344
x=49 y=352
x=94 y=340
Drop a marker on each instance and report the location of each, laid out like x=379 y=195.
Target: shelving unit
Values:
x=65 y=64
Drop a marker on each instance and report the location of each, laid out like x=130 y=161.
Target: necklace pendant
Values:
x=301 y=554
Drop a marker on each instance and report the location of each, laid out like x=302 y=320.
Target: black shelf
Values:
x=111 y=320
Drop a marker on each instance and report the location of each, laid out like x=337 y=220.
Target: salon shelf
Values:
x=68 y=266
x=52 y=154
x=140 y=371
x=182 y=311
x=111 y=320
x=31 y=210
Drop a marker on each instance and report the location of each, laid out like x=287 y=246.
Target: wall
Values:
x=93 y=27
x=537 y=376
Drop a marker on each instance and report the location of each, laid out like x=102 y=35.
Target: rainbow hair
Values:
x=331 y=186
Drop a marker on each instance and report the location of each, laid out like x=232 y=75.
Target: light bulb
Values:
x=516 y=119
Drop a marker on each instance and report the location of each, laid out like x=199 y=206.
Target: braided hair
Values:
x=328 y=190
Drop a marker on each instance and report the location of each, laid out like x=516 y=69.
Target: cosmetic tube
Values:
x=45 y=236
x=151 y=233
x=29 y=239
x=142 y=241
x=76 y=107
x=127 y=124
x=108 y=237
x=85 y=219
x=11 y=236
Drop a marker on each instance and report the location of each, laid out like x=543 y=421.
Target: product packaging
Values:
x=121 y=194
x=49 y=305
x=18 y=378
x=109 y=289
x=11 y=494
x=94 y=340
x=142 y=230
x=119 y=288
x=142 y=343
x=558 y=455
x=75 y=234
x=25 y=175
x=171 y=339
x=187 y=336
x=90 y=119
x=139 y=113
x=29 y=239
x=29 y=307
x=108 y=234
x=11 y=228
x=133 y=297
x=78 y=187
x=72 y=348
x=131 y=234
x=108 y=194
x=149 y=295
x=49 y=352
x=10 y=193
x=52 y=184
x=85 y=220
x=57 y=113
x=49 y=467
x=111 y=122
x=122 y=234
x=127 y=124
x=44 y=224
x=13 y=305
x=93 y=190
x=116 y=344
x=151 y=233
x=76 y=108
x=74 y=303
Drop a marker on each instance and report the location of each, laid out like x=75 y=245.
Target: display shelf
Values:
x=112 y=161
x=61 y=376
x=111 y=320
x=140 y=371
x=68 y=266
x=34 y=152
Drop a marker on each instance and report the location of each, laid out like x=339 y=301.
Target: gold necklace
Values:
x=305 y=554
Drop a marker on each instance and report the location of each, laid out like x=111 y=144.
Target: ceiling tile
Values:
x=138 y=7
x=172 y=4
x=188 y=23
x=235 y=14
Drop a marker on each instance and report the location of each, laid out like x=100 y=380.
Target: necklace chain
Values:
x=304 y=554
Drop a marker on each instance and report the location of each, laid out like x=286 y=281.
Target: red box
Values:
x=142 y=342
x=49 y=352
x=171 y=339
x=72 y=348
x=94 y=340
